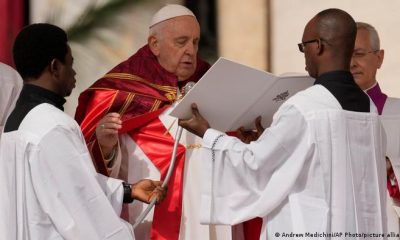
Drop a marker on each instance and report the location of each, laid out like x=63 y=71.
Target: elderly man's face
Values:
x=365 y=61
x=176 y=46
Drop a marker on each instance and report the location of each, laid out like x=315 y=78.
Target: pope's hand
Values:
x=145 y=190
x=107 y=132
x=197 y=124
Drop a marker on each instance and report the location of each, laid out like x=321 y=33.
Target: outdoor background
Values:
x=259 y=33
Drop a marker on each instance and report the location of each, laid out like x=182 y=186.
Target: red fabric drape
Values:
x=392 y=185
x=252 y=229
x=12 y=14
x=158 y=147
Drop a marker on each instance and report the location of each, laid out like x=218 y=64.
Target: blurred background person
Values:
x=367 y=59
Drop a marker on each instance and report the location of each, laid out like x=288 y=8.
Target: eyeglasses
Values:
x=302 y=45
x=362 y=54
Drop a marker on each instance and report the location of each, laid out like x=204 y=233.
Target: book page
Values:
x=230 y=95
x=268 y=103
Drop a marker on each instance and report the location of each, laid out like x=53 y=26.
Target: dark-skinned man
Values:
x=318 y=168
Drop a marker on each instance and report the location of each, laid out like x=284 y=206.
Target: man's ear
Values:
x=320 y=47
x=154 y=45
x=55 y=66
x=381 y=55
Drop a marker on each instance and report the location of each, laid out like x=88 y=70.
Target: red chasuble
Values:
x=140 y=90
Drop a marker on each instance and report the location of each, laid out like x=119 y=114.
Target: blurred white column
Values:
x=243 y=31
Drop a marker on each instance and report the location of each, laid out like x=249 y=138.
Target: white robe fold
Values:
x=50 y=189
x=10 y=87
x=317 y=169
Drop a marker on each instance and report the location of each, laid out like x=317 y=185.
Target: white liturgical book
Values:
x=231 y=95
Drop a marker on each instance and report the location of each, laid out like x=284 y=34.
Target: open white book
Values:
x=231 y=95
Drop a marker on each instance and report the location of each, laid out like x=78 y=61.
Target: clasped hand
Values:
x=146 y=190
x=198 y=125
x=247 y=136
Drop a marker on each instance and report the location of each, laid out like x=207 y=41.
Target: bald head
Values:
x=328 y=41
x=339 y=29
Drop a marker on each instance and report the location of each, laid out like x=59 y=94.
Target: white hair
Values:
x=373 y=34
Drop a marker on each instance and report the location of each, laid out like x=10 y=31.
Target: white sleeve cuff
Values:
x=209 y=137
